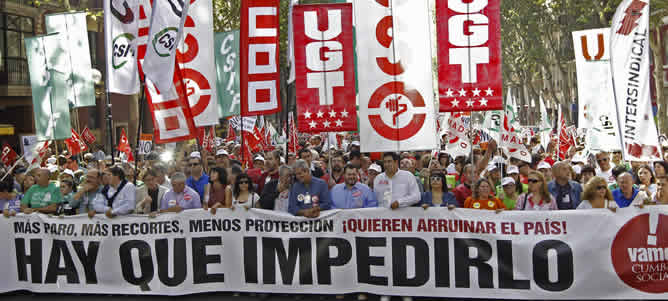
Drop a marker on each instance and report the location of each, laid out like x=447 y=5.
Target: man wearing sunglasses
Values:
x=198 y=180
x=605 y=167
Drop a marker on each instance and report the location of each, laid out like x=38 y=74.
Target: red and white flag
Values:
x=459 y=143
x=194 y=55
x=293 y=140
x=260 y=73
x=469 y=52
x=511 y=142
x=396 y=104
x=75 y=144
x=8 y=155
x=207 y=138
x=172 y=120
x=124 y=146
x=325 y=67
x=630 y=67
x=231 y=135
x=41 y=152
x=88 y=136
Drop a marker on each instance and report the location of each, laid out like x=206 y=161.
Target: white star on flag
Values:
x=449 y=93
x=332 y=114
x=489 y=91
x=483 y=102
x=320 y=114
x=469 y=103
x=462 y=92
x=313 y=124
x=476 y=92
x=344 y=113
x=455 y=103
x=339 y=123
x=307 y=114
x=326 y=123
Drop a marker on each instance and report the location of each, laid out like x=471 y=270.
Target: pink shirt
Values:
x=525 y=202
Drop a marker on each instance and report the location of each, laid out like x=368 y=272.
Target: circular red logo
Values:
x=640 y=253
x=390 y=133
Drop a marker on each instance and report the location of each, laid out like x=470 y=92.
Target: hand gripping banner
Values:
x=260 y=73
x=395 y=80
x=325 y=67
x=469 y=52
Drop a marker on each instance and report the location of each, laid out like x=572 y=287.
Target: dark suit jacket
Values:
x=269 y=195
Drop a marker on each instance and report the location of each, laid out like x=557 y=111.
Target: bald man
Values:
x=627 y=195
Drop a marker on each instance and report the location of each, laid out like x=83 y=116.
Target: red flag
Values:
x=325 y=67
x=172 y=119
x=260 y=138
x=565 y=138
x=252 y=141
x=88 y=136
x=231 y=135
x=8 y=155
x=260 y=75
x=124 y=145
x=246 y=155
x=469 y=52
x=292 y=133
x=41 y=152
x=75 y=144
x=206 y=138
x=212 y=140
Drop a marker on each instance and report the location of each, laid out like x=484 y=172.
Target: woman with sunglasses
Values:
x=438 y=194
x=596 y=195
x=244 y=195
x=482 y=197
x=538 y=197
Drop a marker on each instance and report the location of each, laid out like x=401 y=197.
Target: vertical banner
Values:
x=260 y=74
x=196 y=56
x=630 y=66
x=73 y=42
x=469 y=52
x=50 y=88
x=396 y=92
x=227 y=72
x=325 y=67
x=165 y=32
x=172 y=120
x=120 y=33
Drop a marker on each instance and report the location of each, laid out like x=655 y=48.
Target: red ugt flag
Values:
x=75 y=144
x=88 y=136
x=469 y=52
x=325 y=67
x=8 y=155
x=124 y=146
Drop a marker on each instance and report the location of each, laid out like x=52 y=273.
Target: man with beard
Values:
x=336 y=177
x=352 y=194
x=272 y=160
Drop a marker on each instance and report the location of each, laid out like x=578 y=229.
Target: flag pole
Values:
x=141 y=121
x=106 y=90
x=13 y=166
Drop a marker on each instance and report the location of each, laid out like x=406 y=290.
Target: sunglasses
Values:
x=601 y=187
x=436 y=179
x=602 y=160
x=194 y=164
x=533 y=181
x=243 y=182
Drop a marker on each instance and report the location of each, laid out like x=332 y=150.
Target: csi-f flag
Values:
x=50 y=87
x=164 y=36
x=630 y=67
x=120 y=33
x=73 y=42
x=226 y=45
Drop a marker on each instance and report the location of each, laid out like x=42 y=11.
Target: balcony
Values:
x=14 y=72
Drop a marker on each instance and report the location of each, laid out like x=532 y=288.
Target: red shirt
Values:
x=265 y=178
x=462 y=192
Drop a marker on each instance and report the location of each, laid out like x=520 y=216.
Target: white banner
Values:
x=630 y=66
x=396 y=93
x=196 y=57
x=459 y=143
x=167 y=19
x=29 y=146
x=120 y=33
x=459 y=253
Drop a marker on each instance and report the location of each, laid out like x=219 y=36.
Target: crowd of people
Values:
x=318 y=177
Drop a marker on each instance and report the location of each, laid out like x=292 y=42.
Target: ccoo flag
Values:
x=74 y=42
x=165 y=33
x=120 y=34
x=630 y=67
x=50 y=88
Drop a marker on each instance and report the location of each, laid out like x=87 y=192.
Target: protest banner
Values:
x=145 y=144
x=227 y=70
x=437 y=252
x=120 y=33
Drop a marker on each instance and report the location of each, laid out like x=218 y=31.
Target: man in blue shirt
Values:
x=309 y=194
x=198 y=180
x=352 y=194
x=627 y=195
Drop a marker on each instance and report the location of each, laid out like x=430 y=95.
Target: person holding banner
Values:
x=508 y=192
x=243 y=194
x=645 y=180
x=661 y=195
x=627 y=195
x=83 y=199
x=566 y=192
x=180 y=197
x=116 y=198
x=276 y=194
x=438 y=194
x=198 y=180
x=10 y=200
x=597 y=195
x=43 y=197
x=538 y=197
x=395 y=188
x=309 y=194
x=482 y=197
x=153 y=194
x=352 y=194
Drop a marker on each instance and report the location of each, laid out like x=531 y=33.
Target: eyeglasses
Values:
x=533 y=181
x=601 y=187
x=436 y=179
x=602 y=160
x=194 y=164
x=243 y=182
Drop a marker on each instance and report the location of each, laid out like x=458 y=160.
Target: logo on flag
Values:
x=88 y=136
x=8 y=155
x=75 y=144
x=120 y=33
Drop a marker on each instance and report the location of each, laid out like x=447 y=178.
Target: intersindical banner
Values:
x=460 y=253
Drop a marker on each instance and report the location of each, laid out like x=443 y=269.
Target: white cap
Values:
x=52 y=168
x=375 y=167
x=512 y=169
x=51 y=160
x=491 y=167
x=544 y=165
x=221 y=152
x=577 y=169
x=498 y=160
x=356 y=143
x=451 y=168
x=507 y=180
x=69 y=172
x=195 y=155
x=578 y=158
x=259 y=158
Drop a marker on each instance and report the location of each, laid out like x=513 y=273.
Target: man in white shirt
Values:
x=604 y=169
x=117 y=198
x=395 y=188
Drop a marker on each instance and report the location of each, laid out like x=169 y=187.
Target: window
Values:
x=13 y=64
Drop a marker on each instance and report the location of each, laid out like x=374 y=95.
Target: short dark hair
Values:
x=349 y=166
x=7 y=185
x=303 y=150
x=617 y=170
x=588 y=168
x=394 y=156
x=355 y=154
x=117 y=171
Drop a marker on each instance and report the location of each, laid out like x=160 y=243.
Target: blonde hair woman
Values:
x=538 y=197
x=596 y=194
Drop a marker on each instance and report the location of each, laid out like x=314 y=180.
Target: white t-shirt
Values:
x=253 y=198
x=607 y=175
